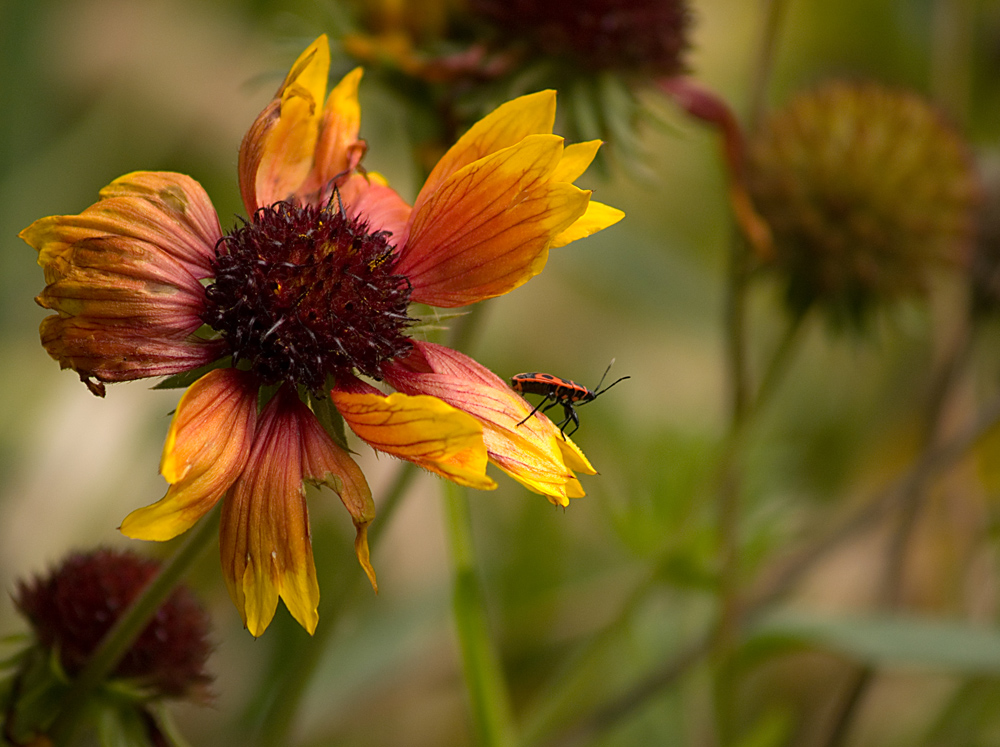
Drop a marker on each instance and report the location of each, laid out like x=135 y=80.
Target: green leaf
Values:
x=945 y=645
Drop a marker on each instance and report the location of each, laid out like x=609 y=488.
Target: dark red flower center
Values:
x=302 y=293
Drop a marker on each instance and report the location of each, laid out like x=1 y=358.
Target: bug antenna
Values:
x=602 y=391
x=604 y=375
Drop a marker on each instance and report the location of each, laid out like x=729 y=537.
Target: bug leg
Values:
x=576 y=423
x=534 y=410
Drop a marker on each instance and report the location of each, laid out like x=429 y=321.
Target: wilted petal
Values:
x=124 y=276
x=488 y=228
x=264 y=537
x=278 y=150
x=423 y=430
x=531 y=451
x=206 y=449
x=325 y=463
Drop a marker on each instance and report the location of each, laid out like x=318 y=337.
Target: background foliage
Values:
x=849 y=595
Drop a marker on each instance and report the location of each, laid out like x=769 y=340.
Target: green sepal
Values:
x=186 y=378
x=330 y=418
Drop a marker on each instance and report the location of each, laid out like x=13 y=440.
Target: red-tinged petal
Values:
x=278 y=150
x=206 y=449
x=170 y=210
x=423 y=430
x=325 y=463
x=110 y=353
x=338 y=149
x=507 y=125
x=264 y=537
x=488 y=228
x=531 y=450
x=368 y=198
x=124 y=276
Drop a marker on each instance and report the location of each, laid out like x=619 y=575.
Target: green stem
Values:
x=299 y=672
x=774 y=13
x=128 y=627
x=728 y=503
x=489 y=702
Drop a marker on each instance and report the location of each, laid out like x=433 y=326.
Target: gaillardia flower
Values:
x=867 y=190
x=310 y=294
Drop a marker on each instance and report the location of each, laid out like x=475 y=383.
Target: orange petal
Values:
x=488 y=228
x=206 y=449
x=531 y=451
x=423 y=430
x=124 y=276
x=507 y=125
x=278 y=150
x=264 y=537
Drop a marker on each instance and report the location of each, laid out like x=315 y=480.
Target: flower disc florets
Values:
x=303 y=292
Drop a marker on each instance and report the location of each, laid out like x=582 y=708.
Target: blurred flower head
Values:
x=633 y=36
x=867 y=190
x=72 y=608
x=461 y=57
x=295 y=305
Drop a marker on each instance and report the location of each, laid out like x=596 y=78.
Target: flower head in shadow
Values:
x=304 y=304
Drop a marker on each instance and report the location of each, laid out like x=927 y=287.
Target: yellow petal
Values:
x=576 y=158
x=507 y=125
x=488 y=228
x=338 y=149
x=124 y=276
x=423 y=430
x=207 y=448
x=574 y=457
x=597 y=218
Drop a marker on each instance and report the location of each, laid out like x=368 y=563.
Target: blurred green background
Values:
x=92 y=89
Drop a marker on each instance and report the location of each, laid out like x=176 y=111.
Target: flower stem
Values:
x=299 y=672
x=128 y=627
x=728 y=503
x=490 y=705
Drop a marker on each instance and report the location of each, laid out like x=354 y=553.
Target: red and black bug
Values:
x=558 y=391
